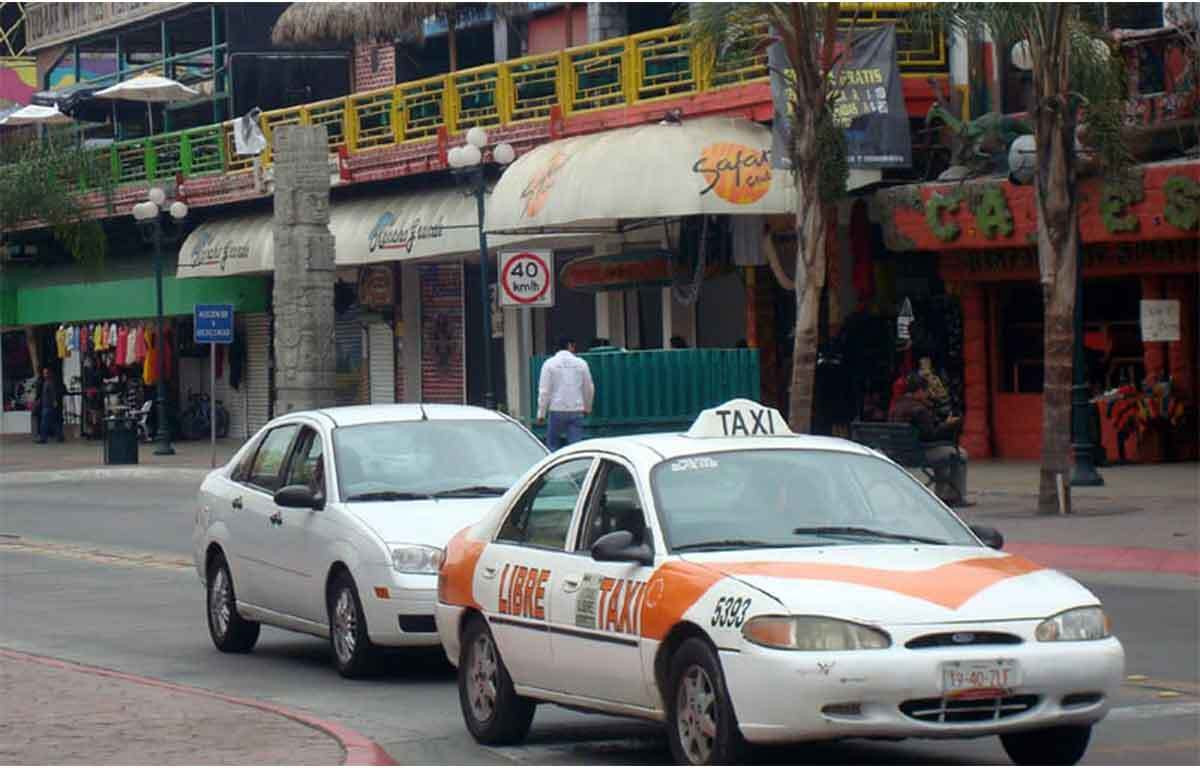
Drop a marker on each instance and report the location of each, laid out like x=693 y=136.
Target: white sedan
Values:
x=743 y=584
x=332 y=522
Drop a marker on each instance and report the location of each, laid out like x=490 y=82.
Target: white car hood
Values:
x=431 y=522
x=902 y=584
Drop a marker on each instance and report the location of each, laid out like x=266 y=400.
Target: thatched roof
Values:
x=311 y=23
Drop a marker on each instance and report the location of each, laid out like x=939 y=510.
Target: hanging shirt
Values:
x=131 y=355
x=112 y=335
x=122 y=346
x=140 y=341
x=97 y=342
x=60 y=341
x=149 y=369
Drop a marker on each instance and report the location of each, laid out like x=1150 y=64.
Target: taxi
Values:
x=744 y=584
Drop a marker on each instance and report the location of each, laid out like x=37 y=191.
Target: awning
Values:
x=614 y=180
x=435 y=224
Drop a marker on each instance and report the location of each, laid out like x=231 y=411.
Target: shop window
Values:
x=1020 y=338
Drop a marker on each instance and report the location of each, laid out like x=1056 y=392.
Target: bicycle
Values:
x=195 y=421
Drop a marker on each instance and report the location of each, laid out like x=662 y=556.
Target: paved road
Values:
x=100 y=576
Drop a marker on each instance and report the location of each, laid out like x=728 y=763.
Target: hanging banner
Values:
x=871 y=105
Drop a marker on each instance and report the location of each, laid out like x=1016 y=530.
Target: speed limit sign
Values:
x=526 y=279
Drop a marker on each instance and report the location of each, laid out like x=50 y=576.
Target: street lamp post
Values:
x=1083 y=471
x=150 y=215
x=467 y=162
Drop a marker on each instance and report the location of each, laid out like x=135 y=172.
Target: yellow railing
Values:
x=649 y=66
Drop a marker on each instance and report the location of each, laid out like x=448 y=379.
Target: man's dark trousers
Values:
x=49 y=424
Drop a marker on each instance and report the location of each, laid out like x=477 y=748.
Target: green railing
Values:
x=649 y=66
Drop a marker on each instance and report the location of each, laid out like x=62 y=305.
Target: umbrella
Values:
x=36 y=114
x=151 y=89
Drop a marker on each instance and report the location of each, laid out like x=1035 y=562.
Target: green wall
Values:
x=128 y=299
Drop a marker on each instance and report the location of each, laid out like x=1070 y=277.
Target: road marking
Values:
x=89 y=553
x=1153 y=711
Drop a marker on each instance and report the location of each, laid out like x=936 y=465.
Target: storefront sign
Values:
x=527 y=278
x=389 y=233
x=871 y=104
x=213 y=323
x=1160 y=320
x=209 y=251
x=734 y=172
x=1164 y=258
x=376 y=287
x=624 y=270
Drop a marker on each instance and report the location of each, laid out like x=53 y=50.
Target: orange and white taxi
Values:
x=744 y=584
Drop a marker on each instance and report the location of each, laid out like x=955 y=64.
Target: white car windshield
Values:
x=795 y=498
x=395 y=461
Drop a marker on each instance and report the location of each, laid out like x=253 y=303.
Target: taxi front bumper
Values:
x=782 y=696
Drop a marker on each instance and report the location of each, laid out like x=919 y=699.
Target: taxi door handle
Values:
x=236 y=503
x=489 y=572
x=570 y=584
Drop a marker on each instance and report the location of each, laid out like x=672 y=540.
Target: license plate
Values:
x=993 y=676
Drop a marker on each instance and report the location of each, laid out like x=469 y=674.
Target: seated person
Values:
x=950 y=478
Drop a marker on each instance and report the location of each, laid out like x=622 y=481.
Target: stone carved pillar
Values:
x=304 y=271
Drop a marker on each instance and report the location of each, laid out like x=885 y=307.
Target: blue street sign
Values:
x=214 y=323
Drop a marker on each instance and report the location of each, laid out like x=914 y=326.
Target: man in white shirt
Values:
x=565 y=391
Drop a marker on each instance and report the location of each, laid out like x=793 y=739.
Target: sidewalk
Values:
x=61 y=713
x=18 y=453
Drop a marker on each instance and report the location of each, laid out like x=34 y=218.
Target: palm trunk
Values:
x=810 y=279
x=1058 y=249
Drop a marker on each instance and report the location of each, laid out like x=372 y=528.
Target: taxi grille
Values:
x=967 y=710
x=959 y=639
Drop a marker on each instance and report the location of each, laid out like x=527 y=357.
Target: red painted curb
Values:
x=1124 y=559
x=358 y=749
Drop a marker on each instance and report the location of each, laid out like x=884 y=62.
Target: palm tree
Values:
x=806 y=33
x=311 y=23
x=1078 y=87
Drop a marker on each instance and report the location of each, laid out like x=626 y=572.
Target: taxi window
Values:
x=779 y=497
x=614 y=505
x=542 y=516
x=269 y=460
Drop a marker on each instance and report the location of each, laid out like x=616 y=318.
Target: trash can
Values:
x=120 y=440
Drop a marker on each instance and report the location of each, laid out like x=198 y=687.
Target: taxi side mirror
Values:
x=989 y=535
x=299 y=497
x=618 y=547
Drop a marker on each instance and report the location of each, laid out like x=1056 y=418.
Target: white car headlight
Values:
x=813 y=633
x=416 y=558
x=1076 y=624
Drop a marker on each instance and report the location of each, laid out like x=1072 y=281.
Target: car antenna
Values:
x=424 y=416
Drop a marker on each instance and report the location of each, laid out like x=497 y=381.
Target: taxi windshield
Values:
x=794 y=498
x=404 y=460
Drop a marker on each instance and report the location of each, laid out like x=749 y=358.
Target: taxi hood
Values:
x=425 y=521
x=903 y=583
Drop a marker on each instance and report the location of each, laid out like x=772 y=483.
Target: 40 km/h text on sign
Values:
x=527 y=279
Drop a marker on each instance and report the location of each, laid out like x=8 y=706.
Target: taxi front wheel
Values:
x=1061 y=745
x=701 y=725
x=493 y=711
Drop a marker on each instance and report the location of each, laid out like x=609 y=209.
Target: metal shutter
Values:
x=256 y=378
x=348 y=332
x=381 y=361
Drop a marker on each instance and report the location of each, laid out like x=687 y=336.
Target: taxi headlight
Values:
x=1076 y=624
x=813 y=633
x=416 y=558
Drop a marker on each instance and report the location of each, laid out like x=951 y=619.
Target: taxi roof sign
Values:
x=740 y=418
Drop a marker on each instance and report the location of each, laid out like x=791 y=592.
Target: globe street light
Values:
x=467 y=164
x=150 y=215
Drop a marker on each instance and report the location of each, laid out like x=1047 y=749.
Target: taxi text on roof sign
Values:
x=739 y=418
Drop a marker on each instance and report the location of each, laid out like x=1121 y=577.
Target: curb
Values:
x=357 y=749
x=104 y=473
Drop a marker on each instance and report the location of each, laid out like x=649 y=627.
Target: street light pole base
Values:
x=1084 y=473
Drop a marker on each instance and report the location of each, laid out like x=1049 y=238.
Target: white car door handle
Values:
x=570 y=584
x=489 y=572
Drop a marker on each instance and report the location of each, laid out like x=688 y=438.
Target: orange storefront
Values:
x=1138 y=244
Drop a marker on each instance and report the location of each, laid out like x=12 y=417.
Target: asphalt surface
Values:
x=98 y=572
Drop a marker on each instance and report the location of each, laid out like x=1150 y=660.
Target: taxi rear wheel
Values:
x=701 y=725
x=493 y=711
x=1062 y=745
x=230 y=633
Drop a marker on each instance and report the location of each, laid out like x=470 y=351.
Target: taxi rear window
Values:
x=777 y=497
